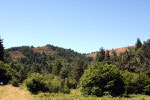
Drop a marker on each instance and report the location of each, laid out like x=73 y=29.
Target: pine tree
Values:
x=114 y=57
x=100 y=55
x=78 y=70
x=107 y=57
x=1 y=50
x=138 y=44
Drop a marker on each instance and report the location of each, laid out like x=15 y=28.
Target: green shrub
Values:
x=65 y=90
x=100 y=78
x=142 y=84
x=146 y=90
x=35 y=83
x=14 y=82
x=136 y=83
x=48 y=83
x=55 y=84
x=129 y=81
x=71 y=83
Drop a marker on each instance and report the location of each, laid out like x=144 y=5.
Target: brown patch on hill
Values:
x=44 y=49
x=118 y=51
x=16 y=54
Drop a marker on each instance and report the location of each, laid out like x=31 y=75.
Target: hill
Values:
x=117 y=50
x=46 y=59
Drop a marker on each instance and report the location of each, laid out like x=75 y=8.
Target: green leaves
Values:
x=100 y=78
x=35 y=83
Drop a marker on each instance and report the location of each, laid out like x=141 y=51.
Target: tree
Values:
x=100 y=79
x=107 y=57
x=114 y=57
x=4 y=75
x=138 y=44
x=78 y=70
x=100 y=55
x=57 y=67
x=63 y=72
x=1 y=50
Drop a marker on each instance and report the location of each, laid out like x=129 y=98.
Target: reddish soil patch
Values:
x=16 y=54
x=44 y=49
x=118 y=51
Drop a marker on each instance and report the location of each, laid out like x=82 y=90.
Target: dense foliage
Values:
x=136 y=83
x=37 y=82
x=101 y=78
x=135 y=59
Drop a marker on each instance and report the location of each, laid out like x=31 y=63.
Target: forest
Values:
x=52 y=69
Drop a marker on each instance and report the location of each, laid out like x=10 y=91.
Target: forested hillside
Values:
x=134 y=59
x=47 y=59
x=54 y=69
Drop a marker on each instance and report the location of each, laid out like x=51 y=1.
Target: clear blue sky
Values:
x=82 y=25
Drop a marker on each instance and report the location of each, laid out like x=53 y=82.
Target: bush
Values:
x=136 y=83
x=65 y=90
x=35 y=83
x=55 y=84
x=49 y=83
x=14 y=82
x=142 y=84
x=129 y=81
x=102 y=78
x=71 y=83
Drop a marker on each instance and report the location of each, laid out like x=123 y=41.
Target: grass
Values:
x=76 y=95
x=9 y=92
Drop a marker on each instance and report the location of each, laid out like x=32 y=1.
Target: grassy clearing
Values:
x=9 y=92
x=76 y=95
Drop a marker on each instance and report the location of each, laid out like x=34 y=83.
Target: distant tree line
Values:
x=135 y=59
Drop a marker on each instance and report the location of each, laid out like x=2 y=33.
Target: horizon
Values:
x=83 y=26
x=69 y=48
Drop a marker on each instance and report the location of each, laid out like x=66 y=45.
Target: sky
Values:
x=82 y=25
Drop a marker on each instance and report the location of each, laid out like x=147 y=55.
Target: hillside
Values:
x=16 y=52
x=117 y=50
x=20 y=52
x=46 y=59
x=54 y=70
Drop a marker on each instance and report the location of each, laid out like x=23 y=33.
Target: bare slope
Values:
x=118 y=51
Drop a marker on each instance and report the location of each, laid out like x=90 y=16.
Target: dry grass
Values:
x=9 y=92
